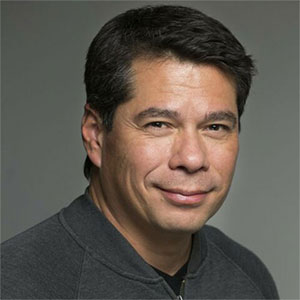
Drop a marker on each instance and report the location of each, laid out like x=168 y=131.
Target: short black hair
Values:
x=158 y=32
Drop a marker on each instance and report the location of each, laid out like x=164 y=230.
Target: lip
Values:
x=184 y=198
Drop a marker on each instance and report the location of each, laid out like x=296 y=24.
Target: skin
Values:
x=167 y=165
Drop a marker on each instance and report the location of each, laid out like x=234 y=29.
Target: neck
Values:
x=165 y=251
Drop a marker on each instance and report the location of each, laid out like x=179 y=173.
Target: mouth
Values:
x=181 y=197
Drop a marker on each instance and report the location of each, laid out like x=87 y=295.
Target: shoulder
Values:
x=42 y=262
x=244 y=259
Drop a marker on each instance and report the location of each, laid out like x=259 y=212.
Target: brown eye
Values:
x=218 y=127
x=215 y=127
x=158 y=128
x=156 y=124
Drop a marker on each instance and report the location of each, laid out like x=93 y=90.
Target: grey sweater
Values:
x=78 y=254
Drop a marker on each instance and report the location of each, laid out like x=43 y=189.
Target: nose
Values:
x=189 y=153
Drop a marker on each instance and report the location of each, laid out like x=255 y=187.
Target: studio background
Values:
x=43 y=54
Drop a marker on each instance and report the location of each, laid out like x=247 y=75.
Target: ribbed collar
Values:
x=97 y=235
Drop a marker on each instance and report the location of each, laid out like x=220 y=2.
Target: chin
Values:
x=186 y=220
x=182 y=229
x=183 y=225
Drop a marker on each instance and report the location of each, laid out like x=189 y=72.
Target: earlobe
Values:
x=92 y=135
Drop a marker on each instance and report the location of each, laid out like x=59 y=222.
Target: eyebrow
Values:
x=153 y=112
x=221 y=116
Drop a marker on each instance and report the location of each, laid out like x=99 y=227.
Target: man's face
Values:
x=169 y=160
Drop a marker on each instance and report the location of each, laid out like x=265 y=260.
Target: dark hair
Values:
x=158 y=32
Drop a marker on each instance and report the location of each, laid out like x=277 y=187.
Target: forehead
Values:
x=174 y=84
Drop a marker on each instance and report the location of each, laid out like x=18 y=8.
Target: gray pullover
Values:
x=78 y=254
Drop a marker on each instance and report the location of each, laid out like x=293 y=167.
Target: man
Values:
x=166 y=87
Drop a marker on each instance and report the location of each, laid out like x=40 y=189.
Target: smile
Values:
x=184 y=198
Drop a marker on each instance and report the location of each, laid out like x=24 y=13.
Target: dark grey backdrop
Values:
x=43 y=50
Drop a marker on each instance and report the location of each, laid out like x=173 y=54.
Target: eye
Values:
x=158 y=128
x=218 y=131
x=156 y=124
x=218 y=127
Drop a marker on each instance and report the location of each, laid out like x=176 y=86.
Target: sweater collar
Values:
x=96 y=234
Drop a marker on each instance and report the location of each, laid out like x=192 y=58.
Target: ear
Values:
x=92 y=135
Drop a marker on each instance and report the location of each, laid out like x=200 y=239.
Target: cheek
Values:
x=224 y=159
x=147 y=155
x=134 y=155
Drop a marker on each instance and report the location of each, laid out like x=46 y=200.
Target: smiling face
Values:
x=168 y=162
